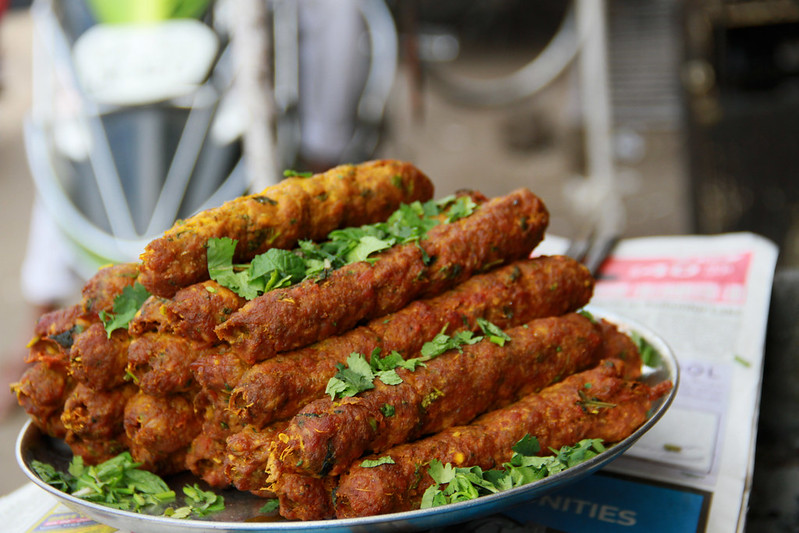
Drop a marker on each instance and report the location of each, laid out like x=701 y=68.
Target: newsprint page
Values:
x=708 y=298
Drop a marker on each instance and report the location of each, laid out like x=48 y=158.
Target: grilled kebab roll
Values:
x=192 y=313
x=205 y=459
x=42 y=391
x=94 y=421
x=618 y=345
x=54 y=335
x=216 y=372
x=296 y=208
x=99 y=360
x=160 y=429
x=162 y=363
x=598 y=403
x=93 y=414
x=327 y=435
x=247 y=453
x=506 y=296
x=99 y=293
x=501 y=230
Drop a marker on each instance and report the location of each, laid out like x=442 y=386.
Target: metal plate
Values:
x=241 y=509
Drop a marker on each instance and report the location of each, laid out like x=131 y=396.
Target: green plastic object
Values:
x=143 y=11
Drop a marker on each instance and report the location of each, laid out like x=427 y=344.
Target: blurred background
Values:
x=637 y=117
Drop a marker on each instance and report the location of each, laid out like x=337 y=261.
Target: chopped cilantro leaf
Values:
x=495 y=334
x=649 y=355
x=358 y=374
x=356 y=377
x=278 y=268
x=120 y=483
x=270 y=506
x=203 y=502
x=126 y=305
x=116 y=483
x=453 y=484
x=371 y=463
x=462 y=207
x=366 y=246
x=288 y=173
x=443 y=342
x=286 y=263
x=389 y=377
x=221 y=269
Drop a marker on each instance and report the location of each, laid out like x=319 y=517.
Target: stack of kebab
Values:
x=234 y=390
x=73 y=359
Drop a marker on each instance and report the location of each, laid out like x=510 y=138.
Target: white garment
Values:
x=48 y=276
x=331 y=75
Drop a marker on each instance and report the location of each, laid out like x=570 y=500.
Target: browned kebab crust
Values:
x=160 y=430
x=162 y=363
x=94 y=421
x=192 y=313
x=99 y=360
x=41 y=391
x=558 y=415
x=506 y=296
x=247 y=452
x=296 y=208
x=99 y=292
x=327 y=435
x=215 y=373
x=290 y=318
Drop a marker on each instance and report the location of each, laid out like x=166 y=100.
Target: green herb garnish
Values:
x=358 y=374
x=371 y=463
x=454 y=484
x=199 y=503
x=288 y=173
x=495 y=334
x=270 y=506
x=278 y=268
x=649 y=355
x=271 y=270
x=116 y=483
x=591 y=403
x=126 y=305
x=443 y=342
x=120 y=483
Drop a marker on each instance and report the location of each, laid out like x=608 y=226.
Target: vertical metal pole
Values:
x=251 y=44
x=597 y=115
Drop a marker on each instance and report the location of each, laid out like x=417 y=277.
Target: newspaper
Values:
x=708 y=297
